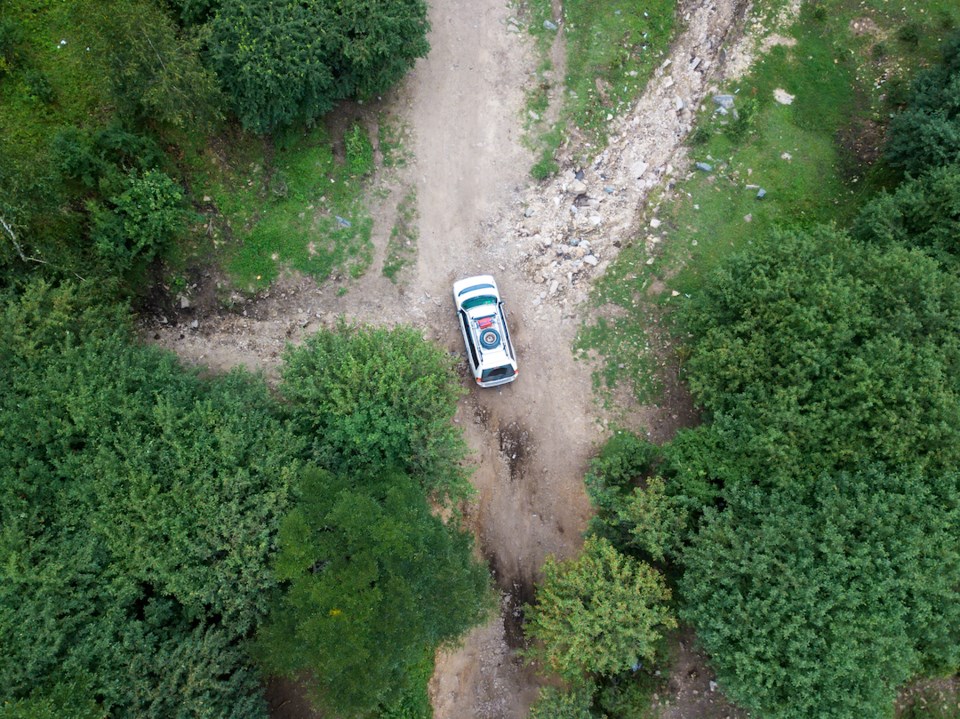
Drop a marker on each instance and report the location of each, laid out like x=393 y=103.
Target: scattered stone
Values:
x=638 y=168
x=786 y=156
x=651 y=260
x=724 y=101
x=554 y=286
x=748 y=218
x=761 y=193
x=713 y=686
x=678 y=103
x=654 y=223
x=668 y=81
x=591 y=260
x=706 y=167
x=694 y=64
x=783 y=97
x=195 y=324
x=577 y=187
x=549 y=25
x=529 y=212
x=185 y=303
x=674 y=293
x=207 y=198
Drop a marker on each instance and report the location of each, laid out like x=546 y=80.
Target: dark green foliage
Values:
x=139 y=507
x=155 y=70
x=927 y=133
x=819 y=587
x=820 y=600
x=72 y=699
x=135 y=225
x=100 y=159
x=599 y=614
x=374 y=580
x=376 y=398
x=921 y=212
x=573 y=703
x=284 y=62
x=11 y=38
x=632 y=509
x=813 y=352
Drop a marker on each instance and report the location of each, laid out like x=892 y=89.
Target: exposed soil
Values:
x=478 y=212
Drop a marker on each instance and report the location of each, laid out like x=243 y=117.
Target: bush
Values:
x=927 y=133
x=359 y=151
x=375 y=399
x=133 y=227
x=819 y=601
x=140 y=506
x=285 y=63
x=601 y=613
x=373 y=581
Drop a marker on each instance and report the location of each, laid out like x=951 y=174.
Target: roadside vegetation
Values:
x=170 y=539
x=808 y=527
x=612 y=49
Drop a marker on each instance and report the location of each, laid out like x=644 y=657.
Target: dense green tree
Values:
x=139 y=507
x=812 y=352
x=156 y=76
x=373 y=579
x=599 y=614
x=633 y=509
x=283 y=62
x=926 y=134
x=820 y=600
x=921 y=212
x=378 y=398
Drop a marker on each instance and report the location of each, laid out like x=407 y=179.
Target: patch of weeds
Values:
x=359 y=151
x=402 y=245
x=390 y=139
x=303 y=211
x=933 y=704
x=546 y=164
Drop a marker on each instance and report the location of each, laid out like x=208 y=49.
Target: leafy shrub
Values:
x=601 y=613
x=285 y=63
x=927 y=133
x=11 y=37
x=377 y=398
x=819 y=601
x=373 y=581
x=140 y=505
x=132 y=227
x=922 y=212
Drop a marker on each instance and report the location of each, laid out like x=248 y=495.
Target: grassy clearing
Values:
x=612 y=48
x=815 y=160
x=301 y=210
x=402 y=245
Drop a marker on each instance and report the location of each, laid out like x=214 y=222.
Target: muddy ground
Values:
x=478 y=212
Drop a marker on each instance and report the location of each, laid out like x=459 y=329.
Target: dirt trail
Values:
x=478 y=213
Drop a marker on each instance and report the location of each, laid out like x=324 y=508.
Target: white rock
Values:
x=577 y=187
x=591 y=260
x=783 y=97
x=638 y=168
x=554 y=286
x=654 y=223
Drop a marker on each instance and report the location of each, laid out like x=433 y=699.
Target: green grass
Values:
x=813 y=158
x=302 y=211
x=612 y=48
x=391 y=138
x=402 y=245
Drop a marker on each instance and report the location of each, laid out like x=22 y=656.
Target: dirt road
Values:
x=478 y=212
